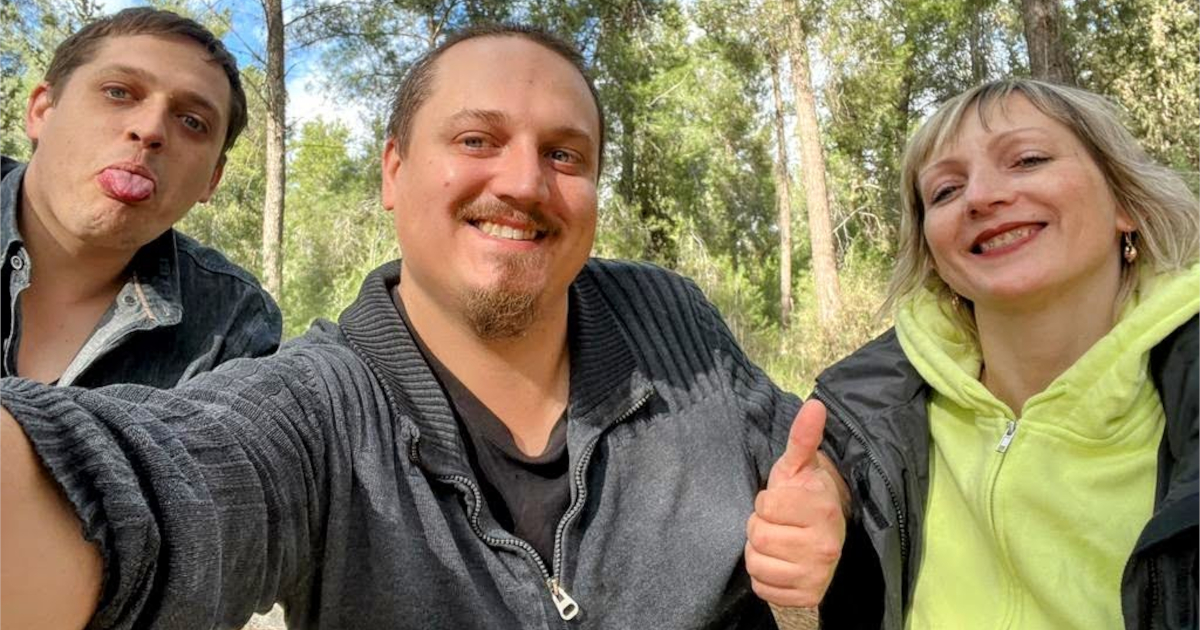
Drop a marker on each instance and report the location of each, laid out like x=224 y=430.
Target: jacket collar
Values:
x=1177 y=500
x=876 y=378
x=10 y=199
x=605 y=377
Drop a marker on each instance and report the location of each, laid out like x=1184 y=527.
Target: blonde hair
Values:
x=1158 y=202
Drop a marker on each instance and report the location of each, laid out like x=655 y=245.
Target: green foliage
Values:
x=30 y=30
x=1142 y=53
x=337 y=232
x=794 y=356
x=688 y=171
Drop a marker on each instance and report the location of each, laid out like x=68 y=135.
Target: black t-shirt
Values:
x=527 y=495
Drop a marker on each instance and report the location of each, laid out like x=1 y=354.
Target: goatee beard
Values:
x=507 y=310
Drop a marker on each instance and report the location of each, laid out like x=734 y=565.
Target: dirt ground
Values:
x=795 y=618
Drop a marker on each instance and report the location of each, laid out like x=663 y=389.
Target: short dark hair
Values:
x=417 y=84
x=80 y=47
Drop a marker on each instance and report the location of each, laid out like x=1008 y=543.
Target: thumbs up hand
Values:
x=794 y=538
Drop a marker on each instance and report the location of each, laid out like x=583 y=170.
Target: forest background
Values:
x=753 y=143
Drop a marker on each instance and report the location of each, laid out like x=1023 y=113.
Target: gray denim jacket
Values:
x=184 y=310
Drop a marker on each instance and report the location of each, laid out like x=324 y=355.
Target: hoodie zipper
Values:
x=566 y=605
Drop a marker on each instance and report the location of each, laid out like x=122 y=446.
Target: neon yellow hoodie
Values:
x=1035 y=532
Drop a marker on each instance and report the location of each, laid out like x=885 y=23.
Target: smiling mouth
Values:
x=1005 y=239
x=507 y=232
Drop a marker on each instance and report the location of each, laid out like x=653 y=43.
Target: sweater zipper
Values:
x=567 y=607
x=844 y=415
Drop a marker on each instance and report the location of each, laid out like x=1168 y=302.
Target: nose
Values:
x=986 y=190
x=520 y=178
x=147 y=126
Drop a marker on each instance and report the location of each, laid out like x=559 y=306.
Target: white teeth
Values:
x=1011 y=236
x=504 y=231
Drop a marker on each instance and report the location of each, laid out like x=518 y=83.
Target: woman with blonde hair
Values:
x=1022 y=446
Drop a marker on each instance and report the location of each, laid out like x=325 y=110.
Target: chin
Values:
x=1016 y=296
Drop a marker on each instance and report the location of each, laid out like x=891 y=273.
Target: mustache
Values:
x=493 y=209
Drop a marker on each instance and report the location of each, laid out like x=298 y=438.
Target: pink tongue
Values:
x=126 y=186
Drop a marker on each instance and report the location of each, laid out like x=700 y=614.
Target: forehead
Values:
x=991 y=117
x=170 y=62
x=515 y=75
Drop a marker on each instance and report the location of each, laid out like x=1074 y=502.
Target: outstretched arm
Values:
x=50 y=576
x=203 y=501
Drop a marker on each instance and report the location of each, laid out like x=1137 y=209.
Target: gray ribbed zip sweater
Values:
x=331 y=477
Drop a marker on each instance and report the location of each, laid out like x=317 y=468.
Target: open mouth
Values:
x=994 y=241
x=507 y=232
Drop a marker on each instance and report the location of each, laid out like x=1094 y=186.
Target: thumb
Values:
x=803 y=441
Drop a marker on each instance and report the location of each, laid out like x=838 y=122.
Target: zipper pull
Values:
x=1007 y=438
x=567 y=608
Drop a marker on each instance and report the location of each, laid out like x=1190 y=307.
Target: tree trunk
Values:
x=272 y=234
x=1048 y=59
x=812 y=175
x=783 y=200
x=977 y=14
x=899 y=137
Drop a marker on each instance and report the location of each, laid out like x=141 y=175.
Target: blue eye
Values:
x=118 y=93
x=562 y=155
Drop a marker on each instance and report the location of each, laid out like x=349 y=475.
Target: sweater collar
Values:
x=605 y=377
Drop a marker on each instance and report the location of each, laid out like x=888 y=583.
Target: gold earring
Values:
x=1129 y=251
x=955 y=301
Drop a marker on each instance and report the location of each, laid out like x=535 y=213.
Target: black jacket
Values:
x=878 y=433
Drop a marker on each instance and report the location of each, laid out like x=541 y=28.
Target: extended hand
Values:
x=794 y=538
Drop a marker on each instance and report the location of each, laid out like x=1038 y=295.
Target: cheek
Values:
x=939 y=231
x=580 y=199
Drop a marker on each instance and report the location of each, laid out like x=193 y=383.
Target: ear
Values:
x=391 y=168
x=1124 y=222
x=37 y=110
x=213 y=181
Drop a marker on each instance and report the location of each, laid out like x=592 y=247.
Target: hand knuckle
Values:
x=760 y=538
x=828 y=551
x=767 y=505
x=831 y=511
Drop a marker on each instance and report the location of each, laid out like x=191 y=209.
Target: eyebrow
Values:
x=186 y=96
x=994 y=140
x=487 y=116
x=497 y=118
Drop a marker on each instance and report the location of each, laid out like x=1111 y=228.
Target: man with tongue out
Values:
x=130 y=128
